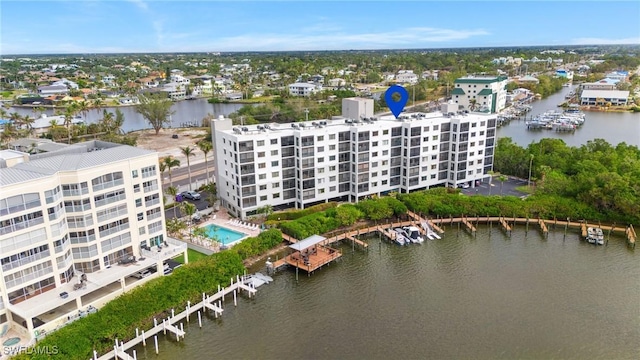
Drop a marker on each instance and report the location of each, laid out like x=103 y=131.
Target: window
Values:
x=263 y=198
x=140 y=216
x=262 y=176
x=275 y=174
x=261 y=154
x=320 y=148
x=276 y=195
x=332 y=168
x=262 y=165
x=142 y=230
x=274 y=141
x=134 y=173
x=274 y=152
x=136 y=188
x=321 y=138
x=321 y=171
x=332 y=136
x=275 y=185
x=260 y=142
x=385 y=132
x=275 y=163
x=332 y=147
x=263 y=187
x=320 y=159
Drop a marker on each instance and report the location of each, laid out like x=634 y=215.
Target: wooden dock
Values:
x=421 y=220
x=543 y=226
x=210 y=302
x=468 y=224
x=631 y=236
x=504 y=224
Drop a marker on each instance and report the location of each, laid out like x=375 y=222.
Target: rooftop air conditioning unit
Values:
x=267 y=127
x=323 y=123
x=245 y=128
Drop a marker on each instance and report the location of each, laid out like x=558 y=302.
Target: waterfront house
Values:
x=406 y=77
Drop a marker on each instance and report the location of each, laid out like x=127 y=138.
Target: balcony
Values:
x=25 y=260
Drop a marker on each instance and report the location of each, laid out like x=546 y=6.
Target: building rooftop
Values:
x=71 y=158
x=605 y=94
x=485 y=79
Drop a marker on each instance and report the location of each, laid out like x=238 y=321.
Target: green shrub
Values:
x=296 y=214
x=258 y=245
x=138 y=307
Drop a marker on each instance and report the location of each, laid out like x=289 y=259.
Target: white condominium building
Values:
x=79 y=212
x=480 y=93
x=306 y=163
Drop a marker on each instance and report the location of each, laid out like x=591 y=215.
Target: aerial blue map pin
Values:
x=396 y=107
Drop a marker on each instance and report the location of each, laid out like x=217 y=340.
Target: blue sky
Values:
x=107 y=26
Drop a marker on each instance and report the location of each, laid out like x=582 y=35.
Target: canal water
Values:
x=611 y=126
x=463 y=297
x=188 y=111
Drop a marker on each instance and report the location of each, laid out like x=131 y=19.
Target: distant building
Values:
x=604 y=84
x=489 y=92
x=618 y=75
x=563 y=73
x=52 y=90
x=604 y=97
x=407 y=77
x=303 y=89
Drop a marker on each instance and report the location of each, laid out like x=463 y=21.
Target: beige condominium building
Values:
x=79 y=224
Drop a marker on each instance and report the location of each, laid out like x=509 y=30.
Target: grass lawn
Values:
x=193 y=256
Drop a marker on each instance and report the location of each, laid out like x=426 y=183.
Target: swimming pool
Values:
x=222 y=234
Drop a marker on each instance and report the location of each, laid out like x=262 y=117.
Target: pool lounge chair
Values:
x=4 y=329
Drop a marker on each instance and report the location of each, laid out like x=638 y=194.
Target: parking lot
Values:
x=497 y=188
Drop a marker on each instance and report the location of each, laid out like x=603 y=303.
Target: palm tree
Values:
x=173 y=191
x=502 y=179
x=188 y=151
x=174 y=226
x=28 y=121
x=171 y=162
x=189 y=209
x=205 y=147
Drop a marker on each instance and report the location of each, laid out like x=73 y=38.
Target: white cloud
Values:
x=409 y=37
x=140 y=4
x=601 y=41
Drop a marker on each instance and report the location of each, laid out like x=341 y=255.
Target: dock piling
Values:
x=155 y=339
x=199 y=320
x=135 y=356
x=144 y=339
x=235 y=300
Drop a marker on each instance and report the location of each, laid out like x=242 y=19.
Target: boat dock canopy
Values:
x=308 y=242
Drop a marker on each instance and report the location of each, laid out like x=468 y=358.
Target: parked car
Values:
x=191 y=195
x=142 y=274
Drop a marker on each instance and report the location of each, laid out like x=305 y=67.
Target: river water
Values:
x=462 y=297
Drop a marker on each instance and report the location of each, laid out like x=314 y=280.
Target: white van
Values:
x=142 y=274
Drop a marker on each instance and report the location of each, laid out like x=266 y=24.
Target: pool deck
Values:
x=221 y=218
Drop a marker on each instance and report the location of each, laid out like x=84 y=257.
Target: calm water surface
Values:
x=462 y=297
x=613 y=127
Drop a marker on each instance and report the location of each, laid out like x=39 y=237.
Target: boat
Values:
x=413 y=234
x=400 y=239
x=591 y=235
x=599 y=236
x=256 y=280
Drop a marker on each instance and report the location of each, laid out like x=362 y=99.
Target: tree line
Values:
x=598 y=174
